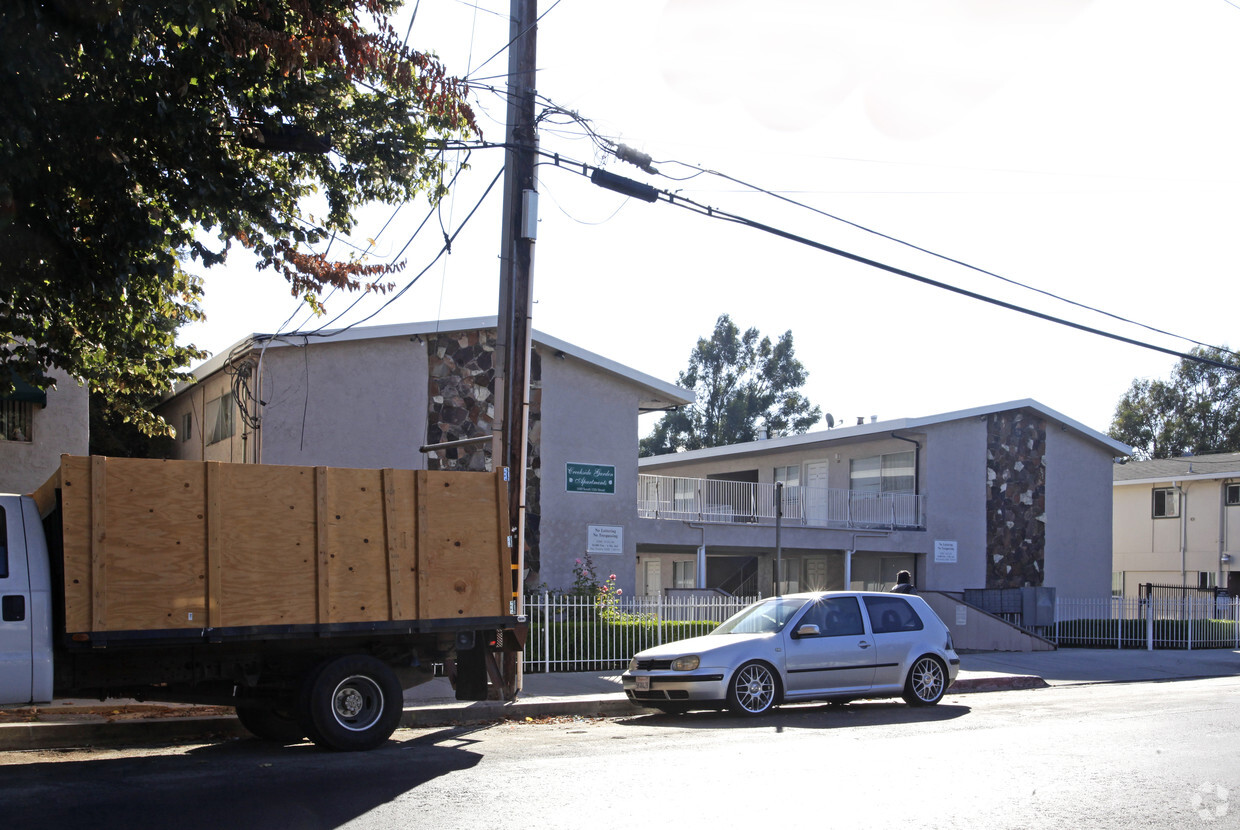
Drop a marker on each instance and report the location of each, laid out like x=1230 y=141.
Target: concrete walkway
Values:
x=75 y=723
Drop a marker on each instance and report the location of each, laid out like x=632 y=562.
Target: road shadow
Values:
x=238 y=783
x=809 y=716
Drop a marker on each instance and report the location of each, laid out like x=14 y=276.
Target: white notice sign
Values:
x=605 y=539
x=945 y=551
x=962 y=616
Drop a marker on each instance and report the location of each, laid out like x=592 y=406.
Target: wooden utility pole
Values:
x=516 y=288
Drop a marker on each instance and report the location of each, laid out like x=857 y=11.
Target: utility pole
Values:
x=512 y=359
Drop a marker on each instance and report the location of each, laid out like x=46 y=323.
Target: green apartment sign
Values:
x=591 y=478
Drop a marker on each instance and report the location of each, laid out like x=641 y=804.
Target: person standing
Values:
x=904 y=583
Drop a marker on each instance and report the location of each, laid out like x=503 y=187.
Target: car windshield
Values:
x=766 y=617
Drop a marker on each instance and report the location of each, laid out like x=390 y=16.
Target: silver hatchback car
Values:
x=835 y=645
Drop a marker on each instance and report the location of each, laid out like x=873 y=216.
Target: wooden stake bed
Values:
x=166 y=545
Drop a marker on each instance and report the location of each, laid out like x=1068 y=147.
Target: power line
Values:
x=518 y=36
x=946 y=258
x=319 y=332
x=652 y=194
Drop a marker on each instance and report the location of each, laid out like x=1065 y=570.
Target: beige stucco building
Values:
x=1177 y=522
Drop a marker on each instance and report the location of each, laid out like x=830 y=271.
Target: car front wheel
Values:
x=926 y=683
x=753 y=690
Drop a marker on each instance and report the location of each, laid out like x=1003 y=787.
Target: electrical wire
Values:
x=322 y=330
x=944 y=257
x=611 y=146
x=715 y=213
x=518 y=36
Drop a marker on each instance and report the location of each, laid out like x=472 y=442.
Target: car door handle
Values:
x=13 y=608
x=863 y=644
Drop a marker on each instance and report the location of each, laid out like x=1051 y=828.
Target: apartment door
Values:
x=815 y=494
x=654 y=577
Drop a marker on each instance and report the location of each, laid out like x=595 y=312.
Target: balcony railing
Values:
x=732 y=502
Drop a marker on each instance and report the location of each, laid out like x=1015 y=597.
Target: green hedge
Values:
x=1098 y=633
x=601 y=645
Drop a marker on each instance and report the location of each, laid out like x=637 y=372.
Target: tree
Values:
x=1197 y=411
x=138 y=139
x=739 y=380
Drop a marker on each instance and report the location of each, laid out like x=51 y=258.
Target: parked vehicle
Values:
x=306 y=597
x=838 y=645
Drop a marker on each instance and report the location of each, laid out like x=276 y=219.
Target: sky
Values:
x=1089 y=149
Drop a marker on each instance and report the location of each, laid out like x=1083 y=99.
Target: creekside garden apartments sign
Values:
x=591 y=478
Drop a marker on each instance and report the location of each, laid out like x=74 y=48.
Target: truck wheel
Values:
x=351 y=703
x=271 y=724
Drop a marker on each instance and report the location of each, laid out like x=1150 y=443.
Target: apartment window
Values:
x=684 y=573
x=1233 y=495
x=16 y=420
x=889 y=473
x=219 y=418
x=790 y=476
x=187 y=426
x=1166 y=503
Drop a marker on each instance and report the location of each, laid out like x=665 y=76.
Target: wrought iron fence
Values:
x=1179 y=619
x=572 y=633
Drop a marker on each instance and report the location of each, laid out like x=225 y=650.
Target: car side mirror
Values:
x=808 y=630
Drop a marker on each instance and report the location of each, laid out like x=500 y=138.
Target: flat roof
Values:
x=657 y=394
x=880 y=427
x=1184 y=468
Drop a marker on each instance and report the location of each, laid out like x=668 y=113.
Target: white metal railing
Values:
x=1148 y=623
x=573 y=633
x=738 y=502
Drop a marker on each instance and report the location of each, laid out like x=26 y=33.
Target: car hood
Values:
x=707 y=644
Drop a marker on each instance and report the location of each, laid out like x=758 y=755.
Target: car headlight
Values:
x=688 y=663
x=633 y=664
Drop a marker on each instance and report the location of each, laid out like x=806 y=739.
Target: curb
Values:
x=997 y=683
x=159 y=728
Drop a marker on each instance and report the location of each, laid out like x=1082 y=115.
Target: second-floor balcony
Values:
x=728 y=502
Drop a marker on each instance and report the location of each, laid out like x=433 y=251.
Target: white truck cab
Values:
x=25 y=604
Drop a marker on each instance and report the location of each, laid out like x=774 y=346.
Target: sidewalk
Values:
x=73 y=723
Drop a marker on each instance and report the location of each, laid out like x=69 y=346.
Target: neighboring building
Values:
x=1002 y=496
x=371 y=397
x=1177 y=522
x=36 y=428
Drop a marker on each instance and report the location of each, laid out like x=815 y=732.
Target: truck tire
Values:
x=271 y=724
x=351 y=703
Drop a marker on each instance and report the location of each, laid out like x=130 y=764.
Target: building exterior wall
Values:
x=1148 y=549
x=954 y=483
x=63 y=426
x=587 y=418
x=1078 y=502
x=352 y=404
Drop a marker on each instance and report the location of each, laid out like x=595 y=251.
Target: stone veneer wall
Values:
x=1015 y=500
x=461 y=372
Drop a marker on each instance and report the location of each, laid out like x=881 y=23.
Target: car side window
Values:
x=889 y=614
x=841 y=616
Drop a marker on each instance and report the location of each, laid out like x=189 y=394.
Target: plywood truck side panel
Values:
x=456 y=579
x=154 y=545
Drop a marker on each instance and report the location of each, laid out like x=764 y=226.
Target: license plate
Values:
x=641 y=683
